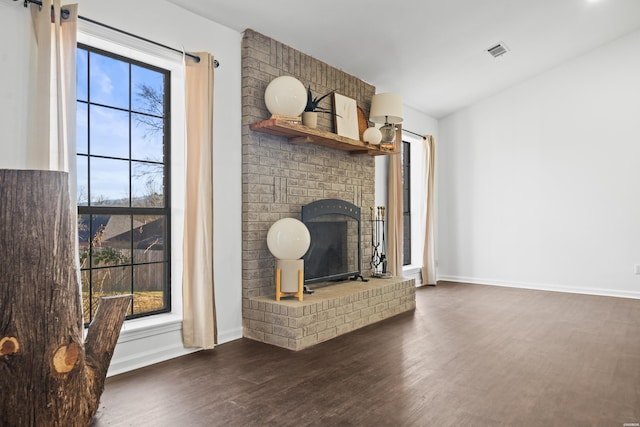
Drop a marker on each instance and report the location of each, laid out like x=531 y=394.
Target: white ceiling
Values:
x=432 y=52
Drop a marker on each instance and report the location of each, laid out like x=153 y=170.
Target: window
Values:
x=123 y=181
x=406 y=201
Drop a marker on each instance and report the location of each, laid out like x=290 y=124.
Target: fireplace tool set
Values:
x=378 y=255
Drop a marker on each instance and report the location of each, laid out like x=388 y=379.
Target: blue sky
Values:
x=111 y=129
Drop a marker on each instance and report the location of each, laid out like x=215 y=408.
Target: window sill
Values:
x=136 y=329
x=411 y=268
x=413 y=272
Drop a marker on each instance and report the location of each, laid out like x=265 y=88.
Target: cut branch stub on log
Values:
x=9 y=345
x=102 y=337
x=48 y=376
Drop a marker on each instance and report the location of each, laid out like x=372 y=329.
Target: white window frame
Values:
x=121 y=44
x=418 y=206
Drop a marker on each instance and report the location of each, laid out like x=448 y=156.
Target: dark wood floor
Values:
x=468 y=356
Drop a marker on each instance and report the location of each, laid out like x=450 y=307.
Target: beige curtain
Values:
x=52 y=143
x=429 y=256
x=66 y=29
x=394 y=205
x=198 y=325
x=39 y=144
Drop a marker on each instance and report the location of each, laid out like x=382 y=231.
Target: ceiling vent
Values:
x=498 y=50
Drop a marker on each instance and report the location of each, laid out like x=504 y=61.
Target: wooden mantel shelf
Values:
x=297 y=134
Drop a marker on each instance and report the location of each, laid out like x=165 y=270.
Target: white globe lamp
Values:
x=285 y=96
x=288 y=240
x=372 y=136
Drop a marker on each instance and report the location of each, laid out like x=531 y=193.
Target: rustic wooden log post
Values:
x=48 y=376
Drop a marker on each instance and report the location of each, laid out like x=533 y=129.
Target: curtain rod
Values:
x=196 y=58
x=414 y=133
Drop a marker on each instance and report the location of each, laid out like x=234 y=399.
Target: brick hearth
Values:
x=329 y=312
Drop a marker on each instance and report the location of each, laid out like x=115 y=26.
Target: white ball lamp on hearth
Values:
x=288 y=240
x=386 y=108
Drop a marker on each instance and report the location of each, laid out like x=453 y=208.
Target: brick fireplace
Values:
x=278 y=178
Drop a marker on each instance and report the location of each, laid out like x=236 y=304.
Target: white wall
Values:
x=170 y=25
x=538 y=185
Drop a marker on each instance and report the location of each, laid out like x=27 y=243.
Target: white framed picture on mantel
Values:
x=346 y=111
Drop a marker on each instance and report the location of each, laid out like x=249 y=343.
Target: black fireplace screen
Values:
x=334 y=253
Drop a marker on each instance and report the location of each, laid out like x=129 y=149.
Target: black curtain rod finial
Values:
x=26 y=3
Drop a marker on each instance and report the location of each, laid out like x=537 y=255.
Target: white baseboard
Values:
x=147 y=358
x=228 y=336
x=140 y=346
x=543 y=287
x=143 y=346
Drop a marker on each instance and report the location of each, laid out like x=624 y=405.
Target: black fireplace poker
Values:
x=378 y=255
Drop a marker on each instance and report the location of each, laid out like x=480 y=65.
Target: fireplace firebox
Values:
x=335 y=251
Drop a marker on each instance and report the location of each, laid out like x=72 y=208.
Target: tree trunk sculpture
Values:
x=48 y=375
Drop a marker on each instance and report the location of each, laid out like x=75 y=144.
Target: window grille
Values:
x=123 y=181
